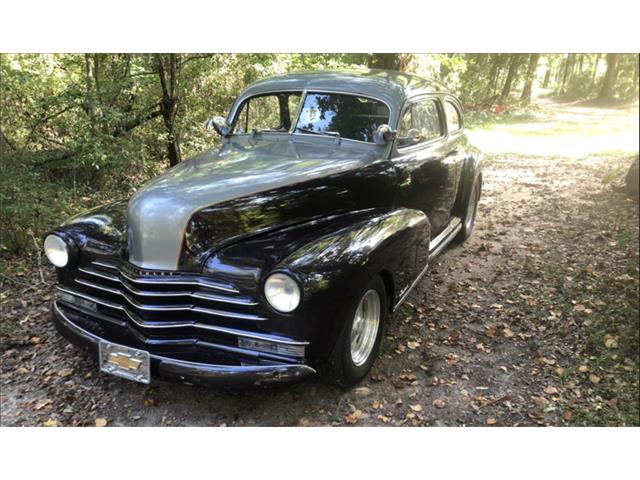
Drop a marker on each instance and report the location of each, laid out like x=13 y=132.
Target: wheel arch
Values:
x=471 y=171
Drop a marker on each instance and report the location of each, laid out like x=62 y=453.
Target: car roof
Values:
x=390 y=86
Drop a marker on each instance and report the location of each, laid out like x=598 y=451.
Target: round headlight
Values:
x=56 y=250
x=282 y=292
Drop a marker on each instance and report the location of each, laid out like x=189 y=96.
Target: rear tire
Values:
x=470 y=211
x=358 y=344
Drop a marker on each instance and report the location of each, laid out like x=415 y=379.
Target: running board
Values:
x=444 y=238
x=435 y=247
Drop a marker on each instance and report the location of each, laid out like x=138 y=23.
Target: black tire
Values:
x=341 y=369
x=469 y=213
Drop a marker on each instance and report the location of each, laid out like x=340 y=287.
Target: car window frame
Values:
x=458 y=107
x=235 y=108
x=238 y=111
x=400 y=151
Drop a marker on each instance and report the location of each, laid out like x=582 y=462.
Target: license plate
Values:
x=125 y=362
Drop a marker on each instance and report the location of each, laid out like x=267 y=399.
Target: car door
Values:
x=424 y=162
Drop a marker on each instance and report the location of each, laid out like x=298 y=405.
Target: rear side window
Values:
x=453 y=116
x=420 y=123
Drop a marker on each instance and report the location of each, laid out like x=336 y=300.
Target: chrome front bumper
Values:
x=190 y=372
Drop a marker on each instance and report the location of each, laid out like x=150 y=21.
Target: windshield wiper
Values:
x=328 y=133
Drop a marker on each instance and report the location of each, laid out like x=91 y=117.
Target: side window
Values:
x=453 y=116
x=420 y=123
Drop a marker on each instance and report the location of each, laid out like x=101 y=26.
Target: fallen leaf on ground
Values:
x=413 y=345
x=50 y=423
x=438 y=403
x=353 y=417
x=594 y=378
x=550 y=390
x=583 y=368
x=611 y=342
x=43 y=403
x=491 y=421
x=101 y=422
x=508 y=333
x=416 y=408
x=490 y=331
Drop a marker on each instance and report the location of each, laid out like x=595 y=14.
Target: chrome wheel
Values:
x=471 y=209
x=364 y=328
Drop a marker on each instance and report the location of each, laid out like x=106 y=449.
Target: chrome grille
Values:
x=207 y=297
x=174 y=308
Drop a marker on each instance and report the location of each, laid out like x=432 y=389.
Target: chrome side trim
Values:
x=202 y=326
x=159 y=308
x=411 y=287
x=437 y=244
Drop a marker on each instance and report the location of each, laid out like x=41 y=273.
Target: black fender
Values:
x=101 y=231
x=331 y=259
x=335 y=268
x=396 y=242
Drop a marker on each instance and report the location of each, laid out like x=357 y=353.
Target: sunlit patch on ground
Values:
x=564 y=130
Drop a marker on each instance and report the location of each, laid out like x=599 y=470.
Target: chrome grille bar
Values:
x=163 y=308
x=161 y=279
x=154 y=325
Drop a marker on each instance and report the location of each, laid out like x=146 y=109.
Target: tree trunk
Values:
x=531 y=73
x=547 y=77
x=168 y=65
x=610 y=77
x=595 y=70
x=493 y=75
x=568 y=71
x=513 y=68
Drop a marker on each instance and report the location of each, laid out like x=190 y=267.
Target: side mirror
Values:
x=384 y=135
x=220 y=125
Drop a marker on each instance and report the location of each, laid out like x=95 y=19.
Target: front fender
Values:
x=345 y=260
x=332 y=259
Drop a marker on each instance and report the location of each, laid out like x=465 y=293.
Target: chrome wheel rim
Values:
x=471 y=209
x=364 y=328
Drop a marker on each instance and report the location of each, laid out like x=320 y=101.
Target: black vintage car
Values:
x=283 y=251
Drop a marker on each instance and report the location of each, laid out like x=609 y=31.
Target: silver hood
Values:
x=158 y=214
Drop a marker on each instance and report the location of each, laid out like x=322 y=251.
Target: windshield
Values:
x=349 y=116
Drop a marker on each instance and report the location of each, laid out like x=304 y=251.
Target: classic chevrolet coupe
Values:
x=283 y=251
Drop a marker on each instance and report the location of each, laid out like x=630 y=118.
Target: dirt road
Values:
x=531 y=322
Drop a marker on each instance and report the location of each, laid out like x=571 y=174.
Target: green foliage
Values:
x=77 y=129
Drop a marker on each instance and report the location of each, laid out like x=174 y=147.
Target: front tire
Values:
x=358 y=345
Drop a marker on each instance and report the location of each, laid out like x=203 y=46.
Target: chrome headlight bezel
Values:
x=60 y=250
x=282 y=292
